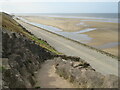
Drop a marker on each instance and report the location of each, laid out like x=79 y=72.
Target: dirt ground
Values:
x=47 y=78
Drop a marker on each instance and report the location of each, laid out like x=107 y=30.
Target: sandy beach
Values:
x=104 y=33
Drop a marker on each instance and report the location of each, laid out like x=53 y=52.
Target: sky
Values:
x=56 y=6
x=61 y=0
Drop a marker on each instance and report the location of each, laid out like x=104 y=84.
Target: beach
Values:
x=63 y=44
x=99 y=32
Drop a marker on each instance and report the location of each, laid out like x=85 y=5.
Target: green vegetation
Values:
x=2 y=68
x=8 y=23
x=43 y=44
x=37 y=87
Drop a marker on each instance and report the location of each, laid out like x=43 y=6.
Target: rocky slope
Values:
x=22 y=58
x=82 y=75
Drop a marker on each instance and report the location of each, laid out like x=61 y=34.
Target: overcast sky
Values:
x=56 y=6
x=61 y=0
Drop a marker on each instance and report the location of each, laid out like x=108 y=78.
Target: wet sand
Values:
x=71 y=24
x=66 y=24
x=105 y=32
x=113 y=50
x=103 y=37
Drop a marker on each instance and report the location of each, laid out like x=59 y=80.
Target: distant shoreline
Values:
x=103 y=17
x=90 y=47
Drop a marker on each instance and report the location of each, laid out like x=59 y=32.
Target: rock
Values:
x=110 y=81
x=23 y=59
x=82 y=75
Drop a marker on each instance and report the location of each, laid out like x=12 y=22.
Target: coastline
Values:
x=104 y=32
x=90 y=47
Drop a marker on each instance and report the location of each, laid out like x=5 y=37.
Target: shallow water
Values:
x=108 y=45
x=106 y=20
x=77 y=36
x=86 y=30
x=81 y=23
x=72 y=35
x=98 y=19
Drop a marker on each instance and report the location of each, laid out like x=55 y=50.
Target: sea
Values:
x=102 y=17
x=97 y=15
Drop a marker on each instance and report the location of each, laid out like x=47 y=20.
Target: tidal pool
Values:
x=108 y=45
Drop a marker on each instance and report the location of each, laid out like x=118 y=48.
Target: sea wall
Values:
x=85 y=45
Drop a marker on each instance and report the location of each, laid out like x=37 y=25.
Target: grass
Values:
x=8 y=23
x=2 y=68
x=37 y=87
x=43 y=44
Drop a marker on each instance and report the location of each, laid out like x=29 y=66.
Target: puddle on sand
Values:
x=86 y=30
x=81 y=23
x=77 y=37
x=108 y=45
x=104 y=20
